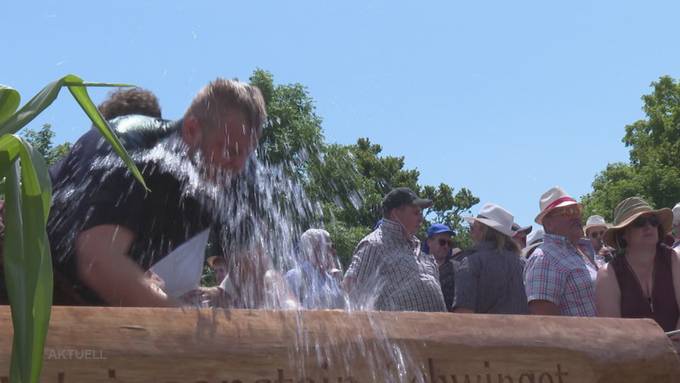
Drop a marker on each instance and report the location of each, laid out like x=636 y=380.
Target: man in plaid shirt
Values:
x=560 y=275
x=389 y=271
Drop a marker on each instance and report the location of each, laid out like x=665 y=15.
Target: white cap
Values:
x=535 y=236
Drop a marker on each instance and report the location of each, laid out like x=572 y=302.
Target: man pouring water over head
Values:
x=106 y=231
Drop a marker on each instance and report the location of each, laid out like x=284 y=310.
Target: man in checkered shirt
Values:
x=559 y=277
x=388 y=270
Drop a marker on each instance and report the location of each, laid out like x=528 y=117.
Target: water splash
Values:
x=260 y=215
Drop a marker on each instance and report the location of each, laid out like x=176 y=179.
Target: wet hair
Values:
x=217 y=99
x=313 y=239
x=122 y=102
x=502 y=241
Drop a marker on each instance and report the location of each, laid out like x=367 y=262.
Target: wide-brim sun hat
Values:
x=554 y=198
x=630 y=209
x=495 y=217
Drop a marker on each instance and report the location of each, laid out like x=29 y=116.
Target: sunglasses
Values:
x=652 y=220
x=444 y=242
x=567 y=211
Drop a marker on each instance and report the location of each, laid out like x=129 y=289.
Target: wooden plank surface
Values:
x=255 y=346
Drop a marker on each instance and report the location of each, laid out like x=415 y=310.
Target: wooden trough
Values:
x=256 y=346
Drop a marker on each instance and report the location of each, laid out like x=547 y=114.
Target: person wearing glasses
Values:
x=642 y=279
x=594 y=231
x=440 y=245
x=489 y=279
x=560 y=274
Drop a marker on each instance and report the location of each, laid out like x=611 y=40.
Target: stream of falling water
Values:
x=260 y=215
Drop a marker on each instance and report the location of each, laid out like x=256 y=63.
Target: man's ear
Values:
x=547 y=225
x=192 y=134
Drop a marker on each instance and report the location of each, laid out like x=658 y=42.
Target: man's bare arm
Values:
x=105 y=267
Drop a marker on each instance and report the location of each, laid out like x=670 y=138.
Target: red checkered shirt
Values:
x=558 y=273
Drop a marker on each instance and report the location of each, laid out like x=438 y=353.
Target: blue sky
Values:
x=505 y=98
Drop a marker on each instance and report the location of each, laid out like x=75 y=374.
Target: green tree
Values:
x=347 y=181
x=352 y=180
x=654 y=169
x=42 y=142
x=292 y=135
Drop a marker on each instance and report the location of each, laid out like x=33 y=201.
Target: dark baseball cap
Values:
x=519 y=229
x=403 y=196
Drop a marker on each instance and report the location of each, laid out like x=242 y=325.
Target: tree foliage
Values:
x=654 y=169
x=292 y=135
x=42 y=142
x=348 y=181
x=352 y=180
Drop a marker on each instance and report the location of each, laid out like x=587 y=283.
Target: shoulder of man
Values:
x=545 y=258
x=369 y=243
x=373 y=238
x=138 y=132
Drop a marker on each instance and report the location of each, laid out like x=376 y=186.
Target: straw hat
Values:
x=552 y=199
x=628 y=210
x=495 y=217
x=595 y=221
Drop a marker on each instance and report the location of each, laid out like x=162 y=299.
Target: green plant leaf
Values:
x=77 y=87
x=27 y=259
x=26 y=185
x=32 y=108
x=97 y=84
x=9 y=102
x=79 y=91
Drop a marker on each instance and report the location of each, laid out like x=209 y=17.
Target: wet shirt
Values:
x=92 y=187
x=490 y=281
x=556 y=272
x=315 y=288
x=390 y=273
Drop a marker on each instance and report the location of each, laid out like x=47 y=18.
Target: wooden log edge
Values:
x=106 y=344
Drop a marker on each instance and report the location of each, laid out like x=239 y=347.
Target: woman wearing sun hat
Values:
x=639 y=282
x=489 y=279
